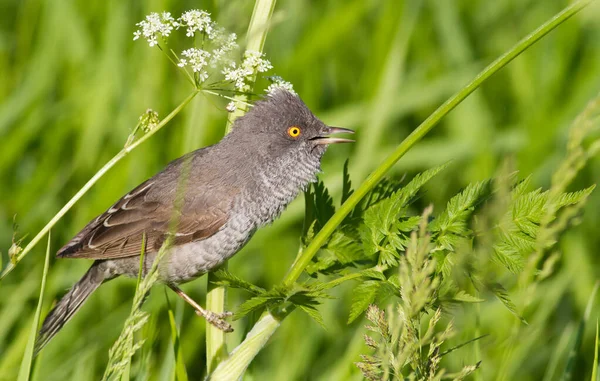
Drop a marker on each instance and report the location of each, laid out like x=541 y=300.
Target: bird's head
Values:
x=282 y=124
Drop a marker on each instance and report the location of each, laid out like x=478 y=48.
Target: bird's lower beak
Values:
x=330 y=140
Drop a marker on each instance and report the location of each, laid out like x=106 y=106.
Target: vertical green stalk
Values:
x=216 y=349
x=27 y=362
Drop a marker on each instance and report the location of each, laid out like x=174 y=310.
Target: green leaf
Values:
x=27 y=361
x=323 y=204
x=225 y=278
x=363 y=296
x=573 y=198
x=463 y=296
x=253 y=304
x=577 y=338
x=595 y=366
x=460 y=208
x=373 y=274
x=500 y=292
x=180 y=370
x=346 y=183
x=345 y=248
x=403 y=196
x=381 y=221
x=314 y=314
x=512 y=250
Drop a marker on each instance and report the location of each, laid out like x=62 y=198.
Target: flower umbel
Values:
x=155 y=26
x=197 y=60
x=215 y=54
x=278 y=83
x=240 y=75
x=197 y=21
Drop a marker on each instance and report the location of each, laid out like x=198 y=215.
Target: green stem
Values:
x=216 y=348
x=305 y=258
x=91 y=182
x=255 y=40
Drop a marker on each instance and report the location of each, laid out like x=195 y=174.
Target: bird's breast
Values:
x=276 y=186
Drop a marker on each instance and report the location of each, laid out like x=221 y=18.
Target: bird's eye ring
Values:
x=294 y=131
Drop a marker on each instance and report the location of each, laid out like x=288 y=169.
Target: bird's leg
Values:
x=213 y=318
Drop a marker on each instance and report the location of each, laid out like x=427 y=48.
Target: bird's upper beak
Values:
x=324 y=139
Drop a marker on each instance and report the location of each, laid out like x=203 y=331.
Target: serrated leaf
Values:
x=345 y=248
x=388 y=256
x=500 y=292
x=408 y=224
x=373 y=274
x=363 y=296
x=346 y=183
x=460 y=208
x=314 y=314
x=463 y=296
x=381 y=219
x=323 y=202
x=225 y=278
x=512 y=250
x=403 y=196
x=522 y=187
x=252 y=304
x=573 y=198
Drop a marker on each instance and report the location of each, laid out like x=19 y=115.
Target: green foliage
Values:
x=377 y=67
x=402 y=351
x=307 y=298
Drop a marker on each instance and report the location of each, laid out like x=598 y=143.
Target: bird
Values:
x=207 y=204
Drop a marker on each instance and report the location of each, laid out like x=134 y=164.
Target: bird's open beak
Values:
x=330 y=140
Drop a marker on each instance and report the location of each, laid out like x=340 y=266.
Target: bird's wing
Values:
x=119 y=232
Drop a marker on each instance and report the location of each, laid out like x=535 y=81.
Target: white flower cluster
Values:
x=197 y=21
x=278 y=83
x=225 y=43
x=197 y=60
x=239 y=75
x=155 y=26
x=217 y=46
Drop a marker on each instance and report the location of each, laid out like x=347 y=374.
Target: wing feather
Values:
x=119 y=232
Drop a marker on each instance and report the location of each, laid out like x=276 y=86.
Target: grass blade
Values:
x=26 y=363
x=578 y=337
x=180 y=371
x=595 y=367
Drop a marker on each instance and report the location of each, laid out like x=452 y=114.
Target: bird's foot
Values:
x=217 y=319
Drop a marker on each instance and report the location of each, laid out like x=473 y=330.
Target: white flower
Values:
x=239 y=75
x=155 y=26
x=225 y=43
x=230 y=107
x=254 y=60
x=197 y=21
x=196 y=59
x=277 y=84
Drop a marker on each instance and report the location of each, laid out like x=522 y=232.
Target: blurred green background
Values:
x=73 y=83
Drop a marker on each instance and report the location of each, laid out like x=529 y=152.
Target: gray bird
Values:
x=229 y=190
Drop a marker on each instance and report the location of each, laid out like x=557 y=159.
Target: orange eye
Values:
x=294 y=131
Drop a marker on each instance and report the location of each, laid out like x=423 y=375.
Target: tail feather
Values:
x=69 y=304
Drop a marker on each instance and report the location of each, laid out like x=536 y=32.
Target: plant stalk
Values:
x=216 y=349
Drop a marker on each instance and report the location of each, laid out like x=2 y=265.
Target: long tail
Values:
x=69 y=304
